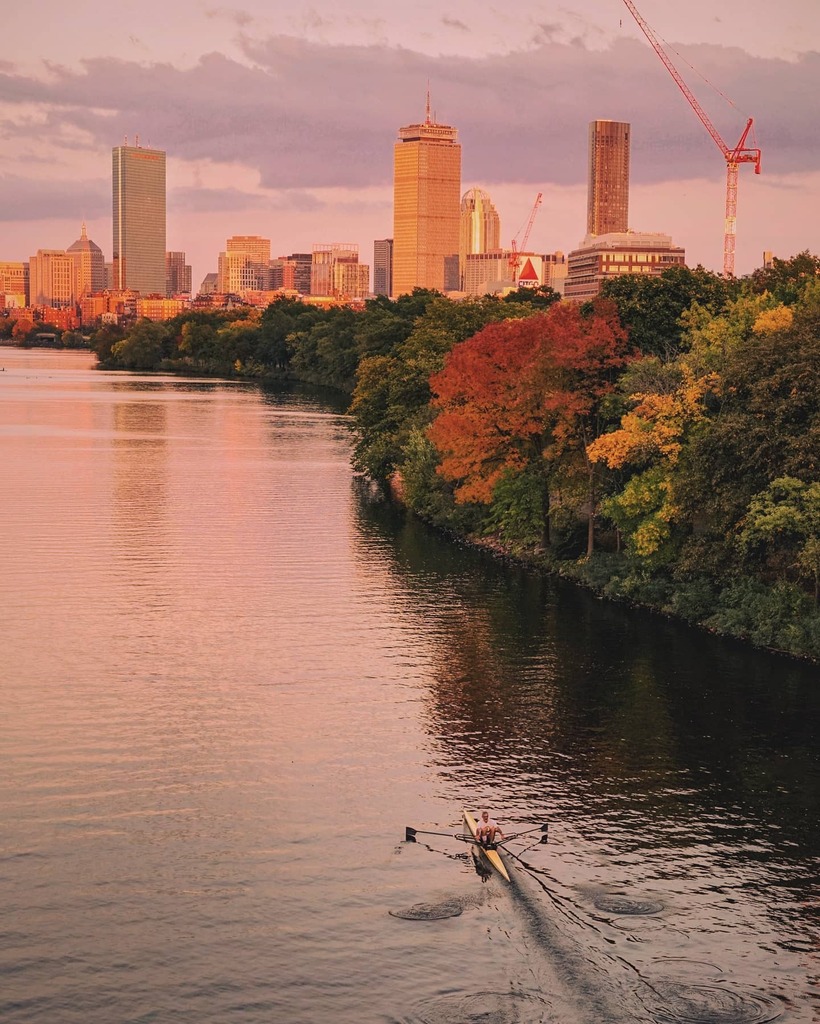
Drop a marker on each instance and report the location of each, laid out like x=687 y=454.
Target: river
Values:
x=231 y=677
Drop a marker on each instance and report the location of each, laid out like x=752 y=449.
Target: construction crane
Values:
x=741 y=154
x=515 y=252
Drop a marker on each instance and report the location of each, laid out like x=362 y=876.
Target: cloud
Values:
x=233 y=200
x=28 y=199
x=307 y=115
x=454 y=23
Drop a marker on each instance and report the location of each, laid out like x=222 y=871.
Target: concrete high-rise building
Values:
x=14 y=284
x=608 y=188
x=252 y=245
x=178 y=275
x=383 y=266
x=90 y=263
x=610 y=256
x=480 y=228
x=52 y=278
x=426 y=204
x=139 y=219
x=245 y=265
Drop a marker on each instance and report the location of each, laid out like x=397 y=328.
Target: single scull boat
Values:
x=492 y=854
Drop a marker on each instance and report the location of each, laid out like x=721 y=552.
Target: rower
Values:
x=488 y=831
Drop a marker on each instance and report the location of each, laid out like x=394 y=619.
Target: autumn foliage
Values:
x=523 y=393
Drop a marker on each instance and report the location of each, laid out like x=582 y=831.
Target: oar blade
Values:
x=409 y=834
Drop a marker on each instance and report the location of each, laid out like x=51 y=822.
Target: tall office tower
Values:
x=426 y=203
x=383 y=266
x=608 y=195
x=480 y=229
x=52 y=278
x=139 y=219
x=178 y=276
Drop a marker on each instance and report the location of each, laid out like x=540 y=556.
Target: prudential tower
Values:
x=426 y=205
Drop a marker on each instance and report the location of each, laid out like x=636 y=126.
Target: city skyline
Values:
x=258 y=144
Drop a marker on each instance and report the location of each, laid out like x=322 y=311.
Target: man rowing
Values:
x=488 y=831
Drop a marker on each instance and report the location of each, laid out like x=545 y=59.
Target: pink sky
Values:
x=279 y=119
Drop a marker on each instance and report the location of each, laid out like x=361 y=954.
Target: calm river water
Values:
x=231 y=677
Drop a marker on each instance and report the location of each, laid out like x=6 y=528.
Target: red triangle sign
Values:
x=528 y=273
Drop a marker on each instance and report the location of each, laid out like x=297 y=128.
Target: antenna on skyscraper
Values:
x=137 y=142
x=427 y=118
x=125 y=141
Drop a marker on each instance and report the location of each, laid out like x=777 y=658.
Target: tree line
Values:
x=660 y=444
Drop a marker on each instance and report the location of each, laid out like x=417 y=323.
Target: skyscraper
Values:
x=139 y=219
x=608 y=195
x=480 y=229
x=383 y=266
x=177 y=274
x=426 y=202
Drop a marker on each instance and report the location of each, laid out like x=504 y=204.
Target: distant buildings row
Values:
x=441 y=239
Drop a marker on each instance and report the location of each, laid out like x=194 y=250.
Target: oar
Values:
x=411 y=833
x=540 y=828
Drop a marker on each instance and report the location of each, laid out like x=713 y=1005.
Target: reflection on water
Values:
x=231 y=677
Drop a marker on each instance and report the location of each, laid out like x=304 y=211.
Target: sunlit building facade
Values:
x=14 y=284
x=89 y=263
x=52 y=278
x=426 y=204
x=479 y=228
x=608 y=185
x=336 y=271
x=617 y=253
x=139 y=219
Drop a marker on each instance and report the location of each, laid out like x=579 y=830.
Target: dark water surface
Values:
x=231 y=677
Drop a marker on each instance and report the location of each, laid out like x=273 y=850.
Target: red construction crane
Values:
x=741 y=154
x=515 y=252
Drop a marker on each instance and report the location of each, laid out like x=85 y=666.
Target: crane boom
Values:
x=515 y=260
x=740 y=154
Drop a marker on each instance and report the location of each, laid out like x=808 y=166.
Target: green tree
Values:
x=651 y=307
x=786 y=279
x=783 y=524
x=143 y=347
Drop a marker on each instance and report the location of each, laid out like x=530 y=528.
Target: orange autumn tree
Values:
x=525 y=396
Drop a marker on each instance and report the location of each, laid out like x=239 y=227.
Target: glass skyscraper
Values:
x=608 y=195
x=138 y=180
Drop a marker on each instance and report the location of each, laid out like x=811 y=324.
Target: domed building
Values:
x=90 y=265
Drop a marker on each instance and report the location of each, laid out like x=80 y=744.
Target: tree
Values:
x=650 y=307
x=541 y=297
x=785 y=279
x=784 y=520
x=765 y=424
x=525 y=396
x=392 y=394
x=143 y=348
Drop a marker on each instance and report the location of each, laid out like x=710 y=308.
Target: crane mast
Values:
x=515 y=252
x=740 y=154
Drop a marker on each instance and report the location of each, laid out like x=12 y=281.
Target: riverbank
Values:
x=780 y=619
